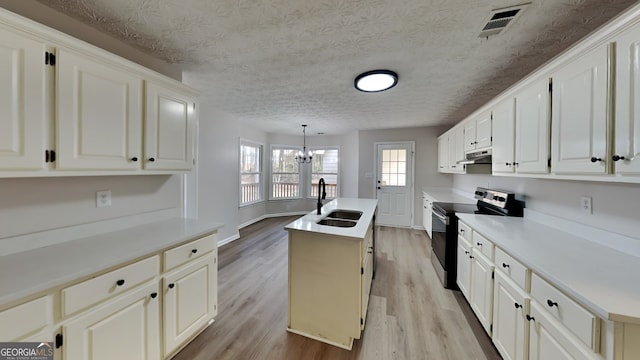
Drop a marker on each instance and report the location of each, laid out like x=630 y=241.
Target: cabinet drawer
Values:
x=465 y=231
x=483 y=244
x=577 y=319
x=26 y=319
x=87 y=293
x=192 y=250
x=512 y=268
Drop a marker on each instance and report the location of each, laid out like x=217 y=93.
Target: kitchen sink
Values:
x=345 y=214
x=337 y=222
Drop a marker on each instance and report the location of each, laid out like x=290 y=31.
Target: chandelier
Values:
x=304 y=156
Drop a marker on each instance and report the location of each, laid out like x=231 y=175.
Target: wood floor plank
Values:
x=410 y=316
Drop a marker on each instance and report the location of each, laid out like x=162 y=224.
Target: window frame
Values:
x=309 y=173
x=271 y=173
x=260 y=173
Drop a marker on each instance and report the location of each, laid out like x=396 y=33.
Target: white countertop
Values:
x=27 y=273
x=308 y=222
x=602 y=279
x=448 y=195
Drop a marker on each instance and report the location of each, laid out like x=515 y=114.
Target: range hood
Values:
x=478 y=157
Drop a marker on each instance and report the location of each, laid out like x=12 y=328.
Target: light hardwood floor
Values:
x=410 y=316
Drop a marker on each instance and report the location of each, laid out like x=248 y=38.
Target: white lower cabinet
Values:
x=510 y=326
x=127 y=327
x=27 y=319
x=463 y=277
x=550 y=340
x=481 y=297
x=190 y=300
x=427 y=208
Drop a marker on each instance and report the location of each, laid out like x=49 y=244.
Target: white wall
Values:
x=349 y=159
x=426 y=161
x=615 y=206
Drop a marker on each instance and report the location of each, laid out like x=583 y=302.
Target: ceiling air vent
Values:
x=499 y=19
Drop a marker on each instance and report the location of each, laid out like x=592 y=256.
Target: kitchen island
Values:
x=330 y=271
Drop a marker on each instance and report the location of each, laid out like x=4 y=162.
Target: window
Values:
x=285 y=173
x=394 y=167
x=250 y=173
x=325 y=165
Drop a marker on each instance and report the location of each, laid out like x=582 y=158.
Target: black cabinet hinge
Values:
x=49 y=156
x=491 y=327
x=493 y=275
x=58 y=341
x=361 y=271
x=49 y=58
x=361 y=321
x=549 y=162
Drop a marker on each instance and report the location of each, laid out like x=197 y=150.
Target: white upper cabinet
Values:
x=532 y=129
x=99 y=115
x=503 y=137
x=626 y=155
x=443 y=152
x=579 y=125
x=477 y=132
x=169 y=128
x=24 y=95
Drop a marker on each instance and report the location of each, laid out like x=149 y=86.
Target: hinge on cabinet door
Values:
x=49 y=58
x=361 y=321
x=549 y=162
x=493 y=274
x=550 y=86
x=361 y=271
x=491 y=327
x=52 y=158
x=58 y=341
x=46 y=156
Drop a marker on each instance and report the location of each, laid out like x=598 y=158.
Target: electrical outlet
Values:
x=585 y=204
x=103 y=198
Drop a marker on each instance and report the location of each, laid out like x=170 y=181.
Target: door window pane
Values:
x=394 y=167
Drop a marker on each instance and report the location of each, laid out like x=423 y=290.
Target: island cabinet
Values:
x=330 y=277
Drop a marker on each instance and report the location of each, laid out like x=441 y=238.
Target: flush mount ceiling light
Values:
x=376 y=80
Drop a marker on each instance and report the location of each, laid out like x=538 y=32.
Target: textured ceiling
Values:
x=276 y=64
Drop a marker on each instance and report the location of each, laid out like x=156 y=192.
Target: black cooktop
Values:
x=446 y=208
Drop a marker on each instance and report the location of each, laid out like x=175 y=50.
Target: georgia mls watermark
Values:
x=26 y=351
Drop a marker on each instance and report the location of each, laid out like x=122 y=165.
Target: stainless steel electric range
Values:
x=444 y=239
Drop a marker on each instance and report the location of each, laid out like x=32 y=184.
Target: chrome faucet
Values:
x=324 y=194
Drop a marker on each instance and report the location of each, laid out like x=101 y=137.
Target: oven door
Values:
x=439 y=236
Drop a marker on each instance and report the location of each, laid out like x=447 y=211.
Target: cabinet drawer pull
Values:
x=152 y=159
x=120 y=282
x=617 y=158
x=462 y=231
x=505 y=265
x=479 y=243
x=518 y=306
x=508 y=164
x=471 y=257
x=595 y=159
x=530 y=318
x=466 y=252
x=154 y=295
x=172 y=285
x=134 y=159
x=194 y=251
x=551 y=303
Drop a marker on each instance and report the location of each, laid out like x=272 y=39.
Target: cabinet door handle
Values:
x=518 y=306
x=617 y=157
x=120 y=282
x=516 y=164
x=462 y=231
x=152 y=159
x=466 y=252
x=194 y=251
x=479 y=243
x=172 y=285
x=595 y=159
x=154 y=295
x=508 y=164
x=134 y=159
x=471 y=257
x=551 y=303
x=530 y=318
x=505 y=265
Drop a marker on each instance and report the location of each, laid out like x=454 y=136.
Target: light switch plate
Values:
x=103 y=198
x=585 y=204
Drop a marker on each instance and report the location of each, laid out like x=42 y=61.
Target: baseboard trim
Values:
x=228 y=240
